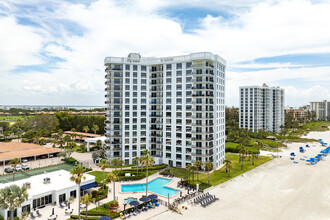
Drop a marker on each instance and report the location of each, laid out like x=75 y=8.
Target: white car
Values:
x=24 y=160
x=25 y=167
x=18 y=167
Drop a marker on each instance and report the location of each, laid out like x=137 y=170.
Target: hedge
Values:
x=156 y=167
x=100 y=212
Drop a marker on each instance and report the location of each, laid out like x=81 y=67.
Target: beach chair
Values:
x=156 y=203
x=121 y=215
x=31 y=215
x=152 y=206
x=38 y=213
x=135 y=212
x=126 y=213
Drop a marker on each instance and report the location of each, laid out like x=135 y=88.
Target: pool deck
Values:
x=120 y=197
x=124 y=195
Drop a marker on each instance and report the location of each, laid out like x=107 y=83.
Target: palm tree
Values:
x=141 y=158
x=115 y=162
x=229 y=167
x=102 y=164
x=74 y=134
x=61 y=142
x=77 y=175
x=95 y=128
x=113 y=177
x=253 y=156
x=86 y=129
x=14 y=162
x=120 y=163
x=242 y=152
x=198 y=164
x=189 y=170
x=147 y=161
x=67 y=139
x=12 y=197
x=60 y=133
x=227 y=162
x=208 y=166
x=86 y=200
x=136 y=160
x=193 y=168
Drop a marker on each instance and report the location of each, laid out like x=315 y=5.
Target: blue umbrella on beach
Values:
x=152 y=196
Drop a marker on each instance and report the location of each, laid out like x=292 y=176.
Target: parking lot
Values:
x=33 y=164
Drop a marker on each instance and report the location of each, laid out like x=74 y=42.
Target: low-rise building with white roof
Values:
x=48 y=188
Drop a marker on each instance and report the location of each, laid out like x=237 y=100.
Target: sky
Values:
x=52 y=52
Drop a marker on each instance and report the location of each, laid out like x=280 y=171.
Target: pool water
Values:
x=156 y=186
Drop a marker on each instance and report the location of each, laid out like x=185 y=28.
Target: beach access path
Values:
x=279 y=189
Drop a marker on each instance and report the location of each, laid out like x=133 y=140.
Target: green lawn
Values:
x=12 y=118
x=98 y=175
x=311 y=126
x=220 y=176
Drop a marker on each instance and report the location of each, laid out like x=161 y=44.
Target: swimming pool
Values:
x=156 y=186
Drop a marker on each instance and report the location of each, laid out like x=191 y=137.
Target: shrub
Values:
x=100 y=197
x=1 y=218
x=70 y=160
x=25 y=140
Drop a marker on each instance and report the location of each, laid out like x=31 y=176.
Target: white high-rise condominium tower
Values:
x=321 y=109
x=172 y=106
x=261 y=107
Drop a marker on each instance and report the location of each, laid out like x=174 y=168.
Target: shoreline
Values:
x=278 y=189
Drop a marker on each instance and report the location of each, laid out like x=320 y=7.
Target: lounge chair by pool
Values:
x=121 y=215
x=156 y=203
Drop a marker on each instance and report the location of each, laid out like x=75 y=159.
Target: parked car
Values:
x=9 y=170
x=51 y=155
x=25 y=160
x=18 y=167
x=25 y=167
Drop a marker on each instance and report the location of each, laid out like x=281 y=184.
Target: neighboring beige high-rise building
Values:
x=321 y=109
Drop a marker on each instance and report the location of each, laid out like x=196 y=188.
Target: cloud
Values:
x=20 y=45
x=73 y=38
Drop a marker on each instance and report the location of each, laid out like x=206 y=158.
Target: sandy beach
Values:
x=279 y=189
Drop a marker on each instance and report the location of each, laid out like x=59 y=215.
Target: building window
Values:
x=127 y=67
x=179 y=66
x=134 y=74
x=143 y=68
x=134 y=67
x=168 y=66
x=178 y=87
